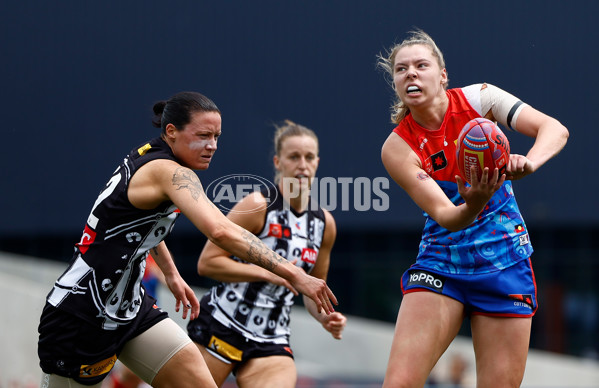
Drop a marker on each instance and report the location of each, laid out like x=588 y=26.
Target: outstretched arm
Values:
x=167 y=180
x=215 y=262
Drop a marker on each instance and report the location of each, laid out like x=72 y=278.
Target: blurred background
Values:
x=79 y=79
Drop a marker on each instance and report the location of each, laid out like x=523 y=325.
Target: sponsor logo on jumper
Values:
x=142 y=150
x=309 y=255
x=279 y=231
x=524 y=239
x=439 y=161
x=426 y=279
x=87 y=239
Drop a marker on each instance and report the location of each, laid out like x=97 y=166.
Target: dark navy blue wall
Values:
x=79 y=80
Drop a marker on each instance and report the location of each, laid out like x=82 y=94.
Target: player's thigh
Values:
x=165 y=356
x=147 y=353
x=426 y=324
x=219 y=369
x=268 y=372
x=501 y=348
x=186 y=369
x=56 y=381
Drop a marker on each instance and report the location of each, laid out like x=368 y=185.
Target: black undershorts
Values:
x=75 y=348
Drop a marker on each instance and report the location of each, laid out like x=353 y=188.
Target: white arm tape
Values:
x=504 y=106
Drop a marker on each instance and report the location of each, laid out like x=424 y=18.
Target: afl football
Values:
x=482 y=144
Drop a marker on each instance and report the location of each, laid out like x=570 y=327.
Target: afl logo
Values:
x=227 y=191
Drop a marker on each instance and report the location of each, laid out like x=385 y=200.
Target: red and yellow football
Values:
x=481 y=143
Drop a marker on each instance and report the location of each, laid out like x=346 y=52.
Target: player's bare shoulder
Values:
x=254 y=202
x=250 y=212
x=148 y=186
x=330 y=229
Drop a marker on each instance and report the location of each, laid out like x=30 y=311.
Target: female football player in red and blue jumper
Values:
x=474 y=255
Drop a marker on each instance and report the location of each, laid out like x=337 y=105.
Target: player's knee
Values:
x=403 y=381
x=505 y=380
x=185 y=369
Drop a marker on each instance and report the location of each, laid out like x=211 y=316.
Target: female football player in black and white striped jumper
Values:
x=243 y=325
x=98 y=310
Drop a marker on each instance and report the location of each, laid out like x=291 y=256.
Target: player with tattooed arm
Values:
x=98 y=310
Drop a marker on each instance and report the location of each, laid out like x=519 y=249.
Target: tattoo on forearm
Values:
x=185 y=178
x=259 y=253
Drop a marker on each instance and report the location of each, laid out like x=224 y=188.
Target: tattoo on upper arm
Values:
x=259 y=253
x=423 y=176
x=184 y=178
